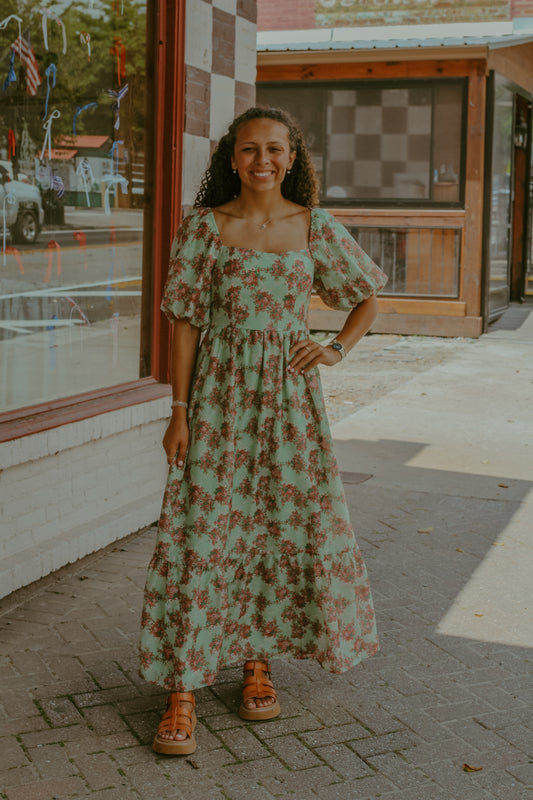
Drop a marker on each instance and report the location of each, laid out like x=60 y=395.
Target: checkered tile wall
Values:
x=220 y=67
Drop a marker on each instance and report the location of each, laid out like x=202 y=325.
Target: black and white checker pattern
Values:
x=379 y=143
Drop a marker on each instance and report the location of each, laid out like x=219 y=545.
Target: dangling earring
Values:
x=234 y=171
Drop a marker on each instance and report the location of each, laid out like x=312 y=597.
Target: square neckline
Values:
x=306 y=250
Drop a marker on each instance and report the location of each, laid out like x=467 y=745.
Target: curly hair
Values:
x=220 y=184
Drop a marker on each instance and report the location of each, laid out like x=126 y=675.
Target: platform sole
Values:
x=267 y=712
x=176 y=747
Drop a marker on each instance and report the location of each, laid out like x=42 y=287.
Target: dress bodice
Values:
x=258 y=291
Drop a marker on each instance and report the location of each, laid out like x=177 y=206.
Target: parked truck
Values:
x=20 y=203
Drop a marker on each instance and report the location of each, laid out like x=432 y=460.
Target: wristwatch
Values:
x=336 y=345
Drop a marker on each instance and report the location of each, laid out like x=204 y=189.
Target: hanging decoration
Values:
x=5 y=22
x=119 y=51
x=50 y=14
x=81 y=238
x=9 y=197
x=85 y=38
x=113 y=245
x=53 y=246
x=52 y=342
x=50 y=73
x=75 y=307
x=13 y=251
x=11 y=74
x=120 y=95
x=27 y=148
x=113 y=181
x=79 y=110
x=48 y=136
x=118 y=7
x=11 y=145
x=85 y=172
x=58 y=186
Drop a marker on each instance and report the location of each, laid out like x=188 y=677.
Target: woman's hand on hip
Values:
x=308 y=354
x=176 y=438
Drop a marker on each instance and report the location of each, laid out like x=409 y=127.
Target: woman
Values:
x=255 y=555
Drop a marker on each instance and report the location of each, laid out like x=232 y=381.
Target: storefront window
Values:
x=72 y=161
x=375 y=142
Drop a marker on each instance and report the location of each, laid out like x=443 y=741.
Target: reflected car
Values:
x=20 y=203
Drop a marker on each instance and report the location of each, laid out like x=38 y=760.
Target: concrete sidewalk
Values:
x=438 y=474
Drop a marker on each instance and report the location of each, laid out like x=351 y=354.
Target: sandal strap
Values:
x=259 y=683
x=177 y=716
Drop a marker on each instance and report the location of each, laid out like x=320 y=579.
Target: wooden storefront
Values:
x=445 y=244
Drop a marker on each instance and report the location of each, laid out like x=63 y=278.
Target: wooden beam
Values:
x=421 y=325
x=403 y=217
x=406 y=305
x=516 y=63
x=354 y=70
x=408 y=324
x=473 y=226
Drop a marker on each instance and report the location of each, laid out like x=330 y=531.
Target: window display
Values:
x=398 y=142
x=72 y=163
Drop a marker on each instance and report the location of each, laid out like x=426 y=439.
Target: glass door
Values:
x=501 y=199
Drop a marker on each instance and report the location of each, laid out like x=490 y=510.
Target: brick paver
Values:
x=77 y=721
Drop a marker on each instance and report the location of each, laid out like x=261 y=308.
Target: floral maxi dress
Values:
x=255 y=555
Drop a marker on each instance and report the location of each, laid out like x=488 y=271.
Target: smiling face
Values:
x=262 y=154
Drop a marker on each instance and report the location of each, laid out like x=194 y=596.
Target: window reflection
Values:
x=502 y=154
x=373 y=142
x=72 y=99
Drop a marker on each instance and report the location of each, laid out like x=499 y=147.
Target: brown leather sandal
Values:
x=258 y=684
x=177 y=717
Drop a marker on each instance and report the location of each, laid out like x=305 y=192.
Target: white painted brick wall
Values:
x=69 y=491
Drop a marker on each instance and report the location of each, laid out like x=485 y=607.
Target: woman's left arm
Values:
x=307 y=354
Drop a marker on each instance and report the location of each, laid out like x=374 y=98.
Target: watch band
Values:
x=338 y=346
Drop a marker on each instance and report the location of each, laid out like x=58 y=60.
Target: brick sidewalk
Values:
x=78 y=722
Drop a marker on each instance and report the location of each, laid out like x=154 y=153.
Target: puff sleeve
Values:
x=344 y=274
x=193 y=254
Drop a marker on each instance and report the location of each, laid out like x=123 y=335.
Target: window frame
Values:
x=165 y=71
x=388 y=83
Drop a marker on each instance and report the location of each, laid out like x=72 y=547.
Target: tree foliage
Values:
x=78 y=80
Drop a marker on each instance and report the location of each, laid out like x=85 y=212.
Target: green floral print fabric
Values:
x=255 y=556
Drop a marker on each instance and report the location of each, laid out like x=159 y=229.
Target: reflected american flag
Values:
x=24 y=50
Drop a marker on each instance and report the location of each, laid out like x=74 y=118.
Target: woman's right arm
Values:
x=185 y=338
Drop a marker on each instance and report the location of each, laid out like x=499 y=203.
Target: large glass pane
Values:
x=417 y=261
x=306 y=105
x=447 y=125
x=72 y=100
x=379 y=143
x=500 y=229
x=401 y=142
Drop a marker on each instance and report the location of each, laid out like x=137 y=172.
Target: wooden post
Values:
x=475 y=151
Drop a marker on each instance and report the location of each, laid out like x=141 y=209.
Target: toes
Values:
x=170 y=736
x=259 y=702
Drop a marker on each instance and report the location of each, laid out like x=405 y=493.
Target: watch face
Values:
x=336 y=345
